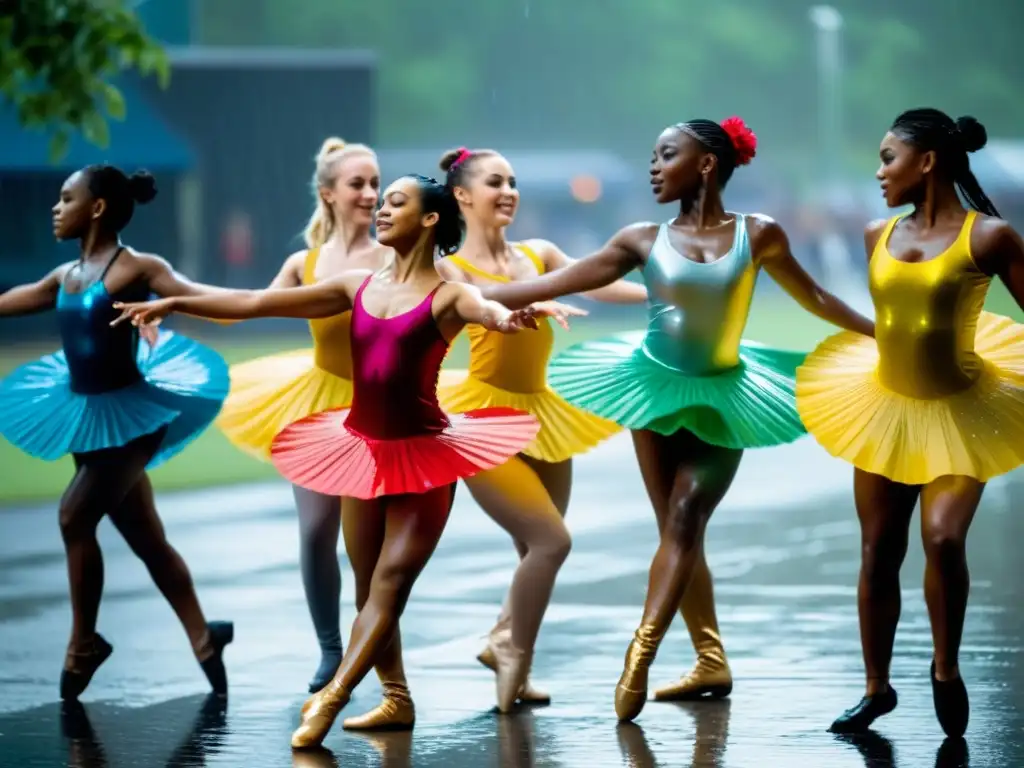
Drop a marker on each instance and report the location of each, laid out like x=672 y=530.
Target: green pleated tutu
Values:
x=750 y=406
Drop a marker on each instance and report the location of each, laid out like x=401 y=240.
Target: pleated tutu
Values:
x=269 y=393
x=749 y=406
x=322 y=454
x=978 y=432
x=564 y=429
x=183 y=386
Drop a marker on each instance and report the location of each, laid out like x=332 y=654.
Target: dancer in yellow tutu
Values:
x=528 y=495
x=932 y=410
x=272 y=392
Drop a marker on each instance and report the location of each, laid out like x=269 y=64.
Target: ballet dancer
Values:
x=931 y=410
x=528 y=495
x=394 y=450
x=269 y=393
x=118 y=407
x=692 y=392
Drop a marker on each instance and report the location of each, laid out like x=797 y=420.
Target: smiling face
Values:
x=489 y=195
x=678 y=166
x=903 y=170
x=400 y=218
x=76 y=208
x=356 y=189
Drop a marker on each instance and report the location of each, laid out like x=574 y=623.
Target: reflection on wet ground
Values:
x=785 y=561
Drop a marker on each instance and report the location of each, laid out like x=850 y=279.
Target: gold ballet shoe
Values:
x=395 y=713
x=513 y=668
x=529 y=694
x=631 y=691
x=710 y=676
x=319 y=714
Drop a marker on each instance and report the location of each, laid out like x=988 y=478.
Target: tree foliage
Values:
x=58 y=60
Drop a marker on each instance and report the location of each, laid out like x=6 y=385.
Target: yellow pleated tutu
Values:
x=978 y=432
x=564 y=430
x=269 y=393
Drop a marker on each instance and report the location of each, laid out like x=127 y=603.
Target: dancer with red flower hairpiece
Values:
x=693 y=393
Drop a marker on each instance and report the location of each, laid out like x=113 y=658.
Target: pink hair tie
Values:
x=464 y=155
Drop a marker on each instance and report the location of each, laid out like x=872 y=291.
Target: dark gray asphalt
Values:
x=784 y=550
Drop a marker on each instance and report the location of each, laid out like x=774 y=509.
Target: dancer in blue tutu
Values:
x=118 y=407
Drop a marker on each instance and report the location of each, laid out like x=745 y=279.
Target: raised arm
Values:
x=324 y=299
x=771 y=249
x=620 y=255
x=620 y=292
x=33 y=297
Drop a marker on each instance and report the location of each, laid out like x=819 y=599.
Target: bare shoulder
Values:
x=147 y=263
x=638 y=237
x=764 y=231
x=449 y=271
x=872 y=234
x=296 y=260
x=994 y=241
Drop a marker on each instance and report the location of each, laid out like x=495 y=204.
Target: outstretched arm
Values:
x=32 y=297
x=467 y=306
x=324 y=299
x=771 y=248
x=619 y=256
x=620 y=292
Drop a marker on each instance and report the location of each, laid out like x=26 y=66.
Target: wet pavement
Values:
x=784 y=550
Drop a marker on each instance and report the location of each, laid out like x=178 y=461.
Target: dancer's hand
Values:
x=149 y=334
x=144 y=313
x=557 y=311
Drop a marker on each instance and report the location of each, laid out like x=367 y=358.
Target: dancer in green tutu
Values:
x=693 y=392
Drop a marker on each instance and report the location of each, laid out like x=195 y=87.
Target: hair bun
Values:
x=744 y=140
x=331 y=144
x=142 y=186
x=449 y=158
x=972 y=133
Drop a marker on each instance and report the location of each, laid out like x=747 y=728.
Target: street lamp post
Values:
x=828 y=22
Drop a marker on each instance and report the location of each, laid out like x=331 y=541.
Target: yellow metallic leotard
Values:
x=941 y=390
x=509 y=370
x=269 y=393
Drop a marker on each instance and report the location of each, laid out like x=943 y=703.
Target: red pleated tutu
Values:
x=322 y=454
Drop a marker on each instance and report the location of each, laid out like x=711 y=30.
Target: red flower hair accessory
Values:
x=744 y=140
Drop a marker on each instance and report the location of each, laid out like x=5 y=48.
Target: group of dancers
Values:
x=926 y=401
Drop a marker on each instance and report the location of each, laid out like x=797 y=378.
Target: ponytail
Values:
x=321 y=223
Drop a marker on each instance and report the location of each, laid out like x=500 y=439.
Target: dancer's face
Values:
x=76 y=208
x=400 y=217
x=677 y=166
x=491 y=196
x=903 y=170
x=353 y=196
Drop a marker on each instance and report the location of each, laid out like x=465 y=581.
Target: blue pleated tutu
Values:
x=182 y=387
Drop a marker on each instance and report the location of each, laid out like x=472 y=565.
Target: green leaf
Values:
x=95 y=129
x=114 y=101
x=59 y=143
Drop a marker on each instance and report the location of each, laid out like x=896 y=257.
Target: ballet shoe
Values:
x=319 y=714
x=513 y=667
x=710 y=678
x=330 y=660
x=631 y=691
x=859 y=717
x=395 y=713
x=79 y=667
x=219 y=635
x=952 y=707
x=528 y=694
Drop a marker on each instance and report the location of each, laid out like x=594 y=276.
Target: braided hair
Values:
x=932 y=130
